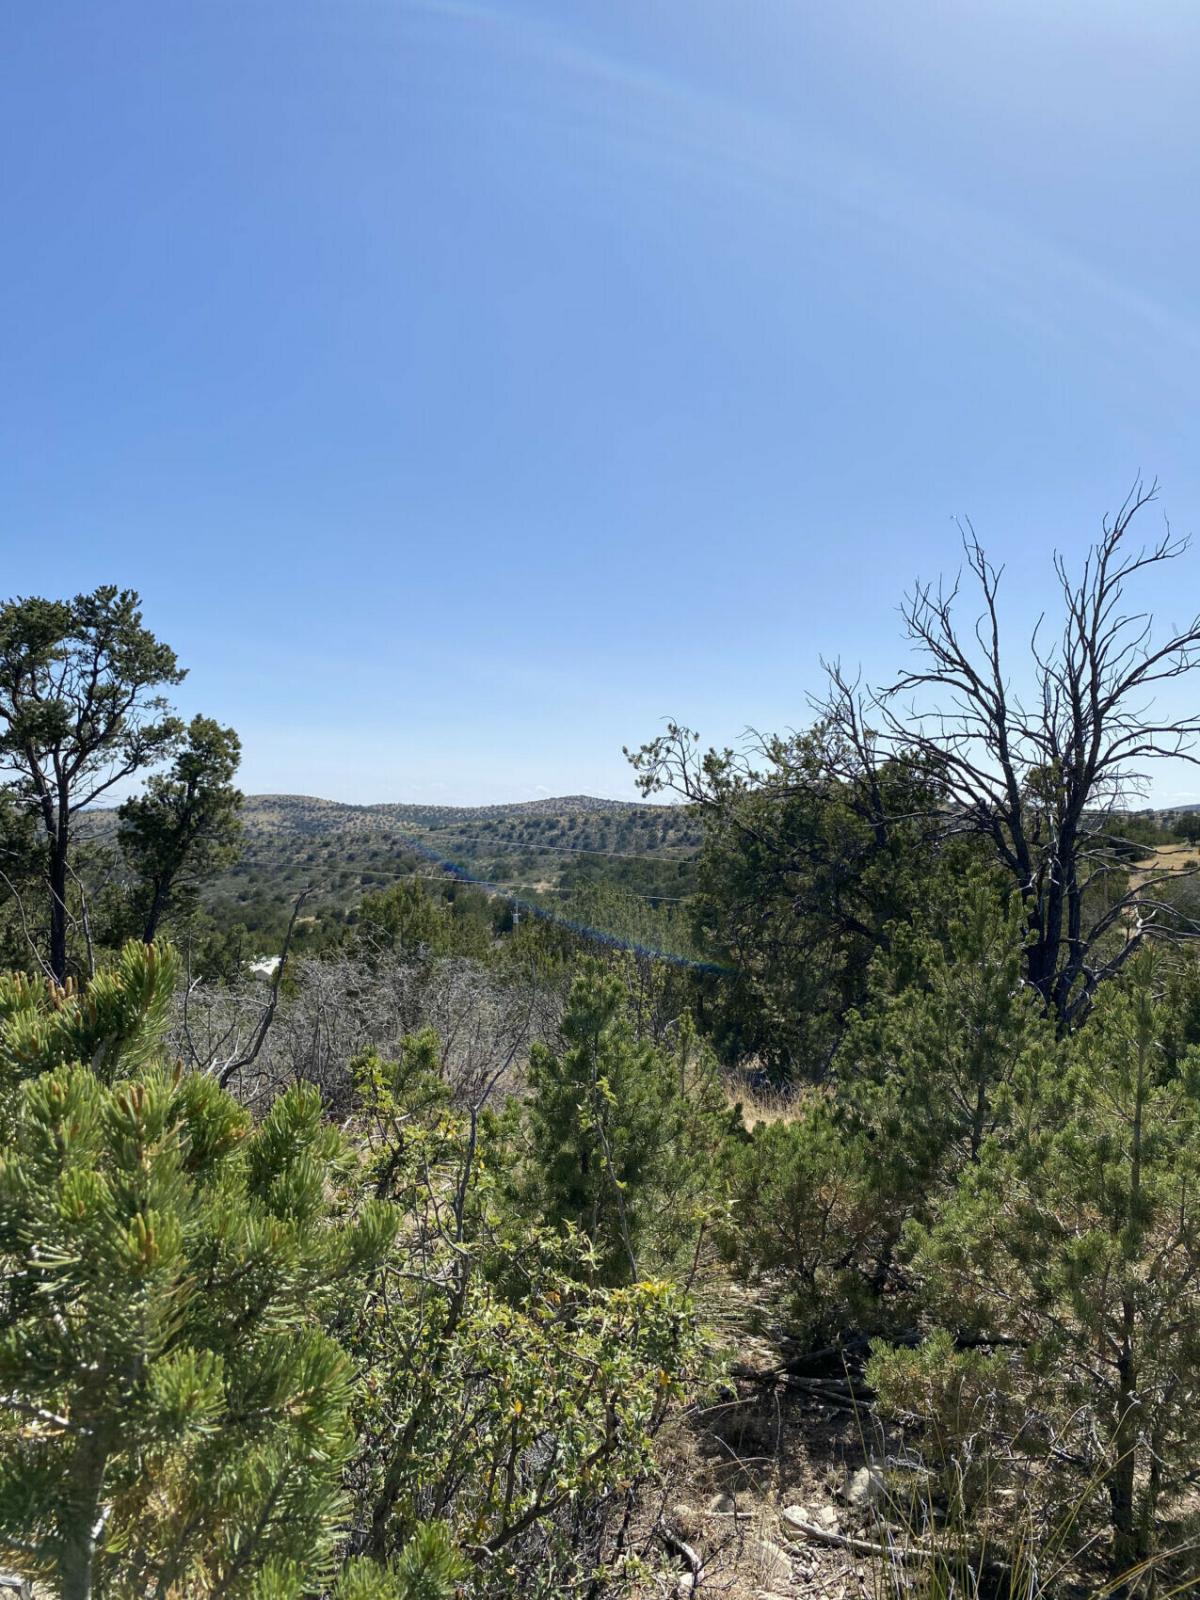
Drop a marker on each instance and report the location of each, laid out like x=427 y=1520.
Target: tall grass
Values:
x=941 y=1538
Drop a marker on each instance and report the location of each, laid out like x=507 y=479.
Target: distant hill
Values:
x=543 y=849
x=303 y=812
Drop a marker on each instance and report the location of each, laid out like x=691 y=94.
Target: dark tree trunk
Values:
x=1129 y=1544
x=58 y=905
x=154 y=916
x=77 y=1562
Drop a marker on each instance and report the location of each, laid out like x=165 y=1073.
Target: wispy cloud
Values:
x=664 y=121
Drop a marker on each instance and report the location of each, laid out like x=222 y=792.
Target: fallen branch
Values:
x=832 y=1391
x=891 y=1552
x=679 y=1547
x=861 y=1547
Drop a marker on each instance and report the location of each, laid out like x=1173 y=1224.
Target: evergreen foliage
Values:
x=805 y=1217
x=821 y=1199
x=617 y=1130
x=809 y=856
x=175 y=1416
x=1076 y=1240
x=113 y=1025
x=947 y=1020
x=184 y=827
x=80 y=711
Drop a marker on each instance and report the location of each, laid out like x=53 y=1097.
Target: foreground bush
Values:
x=1071 y=1250
x=505 y=1393
x=270 y=1361
x=175 y=1417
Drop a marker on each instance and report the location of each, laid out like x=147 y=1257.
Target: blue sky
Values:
x=468 y=387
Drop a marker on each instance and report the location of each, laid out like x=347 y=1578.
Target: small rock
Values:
x=796 y=1516
x=827 y=1517
x=722 y=1505
x=684 y=1521
x=864 y=1487
x=772 y=1562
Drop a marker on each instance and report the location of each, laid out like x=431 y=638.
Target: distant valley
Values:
x=546 y=850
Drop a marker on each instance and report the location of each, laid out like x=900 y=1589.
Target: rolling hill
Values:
x=540 y=849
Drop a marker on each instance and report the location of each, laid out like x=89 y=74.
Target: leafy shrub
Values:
x=504 y=1394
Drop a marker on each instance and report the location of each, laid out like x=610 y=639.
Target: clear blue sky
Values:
x=467 y=387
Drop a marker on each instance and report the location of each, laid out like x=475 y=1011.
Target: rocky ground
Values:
x=775 y=1492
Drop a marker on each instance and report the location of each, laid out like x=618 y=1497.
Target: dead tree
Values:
x=1044 y=776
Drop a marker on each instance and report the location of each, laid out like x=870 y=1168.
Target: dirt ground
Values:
x=737 y=1464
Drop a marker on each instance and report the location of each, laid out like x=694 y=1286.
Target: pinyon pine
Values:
x=173 y=1415
x=1073 y=1245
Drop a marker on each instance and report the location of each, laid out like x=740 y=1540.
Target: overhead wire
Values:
x=582 y=930
x=574 y=849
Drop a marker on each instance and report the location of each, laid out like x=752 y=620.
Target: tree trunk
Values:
x=1128 y=1542
x=58 y=904
x=157 y=906
x=77 y=1562
x=1130 y=1536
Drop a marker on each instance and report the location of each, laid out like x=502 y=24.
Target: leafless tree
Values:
x=1043 y=777
x=331 y=1009
x=223 y=1042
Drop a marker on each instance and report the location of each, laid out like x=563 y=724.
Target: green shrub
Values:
x=619 y=1138
x=821 y=1199
x=175 y=1416
x=804 y=1217
x=503 y=1393
x=1074 y=1241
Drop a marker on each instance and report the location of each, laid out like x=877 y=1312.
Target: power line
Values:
x=428 y=877
x=573 y=849
x=612 y=941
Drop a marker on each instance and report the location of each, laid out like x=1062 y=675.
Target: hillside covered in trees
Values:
x=541 y=852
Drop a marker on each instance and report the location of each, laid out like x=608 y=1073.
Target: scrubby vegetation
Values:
x=471 y=1251
x=557 y=855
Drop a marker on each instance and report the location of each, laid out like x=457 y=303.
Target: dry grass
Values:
x=747 y=1449
x=761 y=1103
x=1178 y=858
x=757 y=1443
x=731 y=1468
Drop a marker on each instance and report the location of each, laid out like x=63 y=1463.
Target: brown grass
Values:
x=1166 y=858
x=761 y=1103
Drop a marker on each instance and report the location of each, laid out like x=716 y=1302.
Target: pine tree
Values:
x=821 y=1199
x=949 y=1018
x=185 y=826
x=175 y=1416
x=80 y=711
x=1075 y=1240
x=613 y=1125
